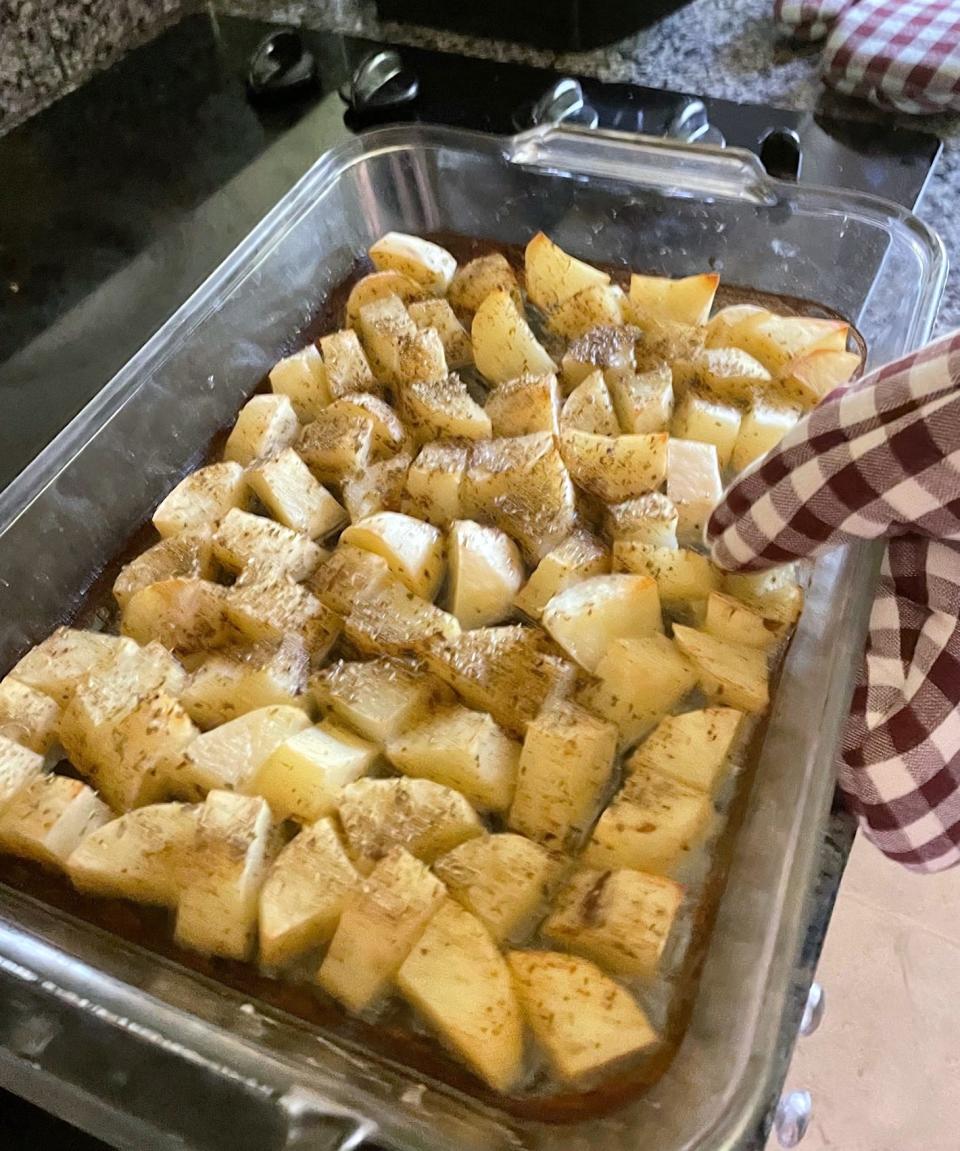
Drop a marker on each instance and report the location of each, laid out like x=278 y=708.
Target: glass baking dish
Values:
x=147 y=1054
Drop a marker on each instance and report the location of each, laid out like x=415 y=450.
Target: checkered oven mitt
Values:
x=899 y=54
x=880 y=458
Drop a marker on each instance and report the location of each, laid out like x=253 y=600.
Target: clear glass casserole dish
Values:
x=147 y=1054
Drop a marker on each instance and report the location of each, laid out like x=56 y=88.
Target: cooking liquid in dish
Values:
x=394 y=1033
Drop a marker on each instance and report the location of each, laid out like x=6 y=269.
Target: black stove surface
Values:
x=117 y=201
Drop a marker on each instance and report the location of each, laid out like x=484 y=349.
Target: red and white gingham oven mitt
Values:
x=902 y=55
x=880 y=458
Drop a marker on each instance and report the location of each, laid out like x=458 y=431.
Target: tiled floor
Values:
x=884 y=1067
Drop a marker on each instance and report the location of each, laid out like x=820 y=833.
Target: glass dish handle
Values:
x=64 y=1054
x=658 y=163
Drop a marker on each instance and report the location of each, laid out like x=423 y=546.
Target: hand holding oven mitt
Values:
x=902 y=55
x=880 y=458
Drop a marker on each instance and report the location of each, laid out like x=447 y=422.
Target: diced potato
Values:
x=228 y=756
x=182 y=614
x=577 y=558
x=553 y=276
x=684 y=301
x=266 y=609
x=478 y=278
x=265 y=426
x=510 y=672
x=421 y=358
x=378 y=488
x=144 y=855
x=763 y=427
x=28 y=716
x=421 y=260
x=692 y=748
x=486 y=572
x=395 y=621
x=302 y=378
x=621 y=919
x=583 y=1020
x=809 y=378
x=608 y=347
x=707 y=420
x=286 y=488
x=389 y=434
x=128 y=741
x=504 y=880
x=383 y=325
x=188 y=554
x=651 y=519
x=587 y=617
x=382 y=920
x=444 y=407
x=202 y=498
x=432 y=486
x=47 y=819
x=615 y=468
x=348 y=575
x=730 y=374
x=377 y=286
x=347 y=368
x=457 y=349
x=565 y=768
x=504 y=347
x=303 y=776
x=643 y=402
x=462 y=749
x=524 y=405
x=460 y=983
x=653 y=824
x=775 y=592
x=57 y=665
x=219 y=900
x=640 y=680
x=589 y=408
x=413 y=550
x=663 y=339
x=729 y=674
x=734 y=622
x=425 y=818
x=379 y=698
x=19 y=766
x=337 y=446
x=693 y=485
x=776 y=340
x=596 y=306
x=245 y=540
x=682 y=576
x=305 y=893
x=227 y=684
x=726 y=321
x=522 y=486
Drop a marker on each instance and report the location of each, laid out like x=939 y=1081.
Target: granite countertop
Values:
x=723 y=48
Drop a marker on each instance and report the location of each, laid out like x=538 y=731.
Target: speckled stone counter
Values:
x=724 y=48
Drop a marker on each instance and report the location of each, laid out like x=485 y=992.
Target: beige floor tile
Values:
x=884 y=1067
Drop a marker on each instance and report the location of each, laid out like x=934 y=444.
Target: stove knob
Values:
x=813 y=1011
x=792 y=1118
x=380 y=81
x=780 y=153
x=692 y=124
x=564 y=103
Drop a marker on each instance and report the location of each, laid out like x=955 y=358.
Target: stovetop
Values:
x=117 y=201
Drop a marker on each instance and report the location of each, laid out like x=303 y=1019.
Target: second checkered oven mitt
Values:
x=903 y=55
x=880 y=459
